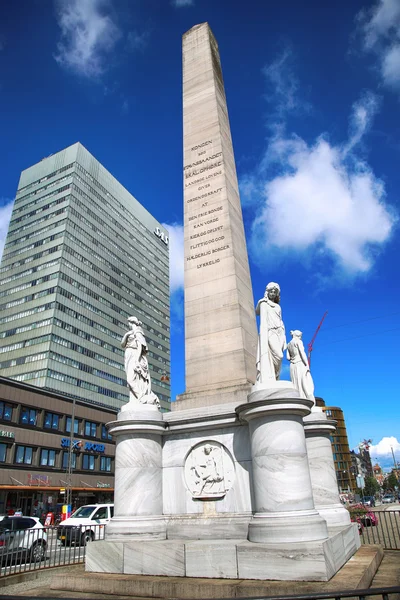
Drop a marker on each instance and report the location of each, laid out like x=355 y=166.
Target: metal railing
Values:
x=386 y=593
x=381 y=527
x=41 y=548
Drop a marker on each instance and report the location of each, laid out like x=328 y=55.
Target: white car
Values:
x=85 y=524
x=22 y=539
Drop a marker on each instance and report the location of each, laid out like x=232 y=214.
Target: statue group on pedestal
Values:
x=272 y=345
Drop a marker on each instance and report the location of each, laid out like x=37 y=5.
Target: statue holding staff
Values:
x=299 y=368
x=272 y=338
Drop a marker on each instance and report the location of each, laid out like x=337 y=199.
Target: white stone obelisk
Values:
x=220 y=325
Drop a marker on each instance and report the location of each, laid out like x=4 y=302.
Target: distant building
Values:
x=35 y=435
x=81 y=255
x=378 y=473
x=340 y=448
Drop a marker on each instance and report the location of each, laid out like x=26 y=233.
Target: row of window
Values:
x=40 y=209
x=117 y=260
x=46 y=457
x=110 y=241
x=38 y=192
x=54 y=421
x=28 y=298
x=33 y=257
x=112 y=206
x=28 y=284
x=45 y=178
x=106 y=275
x=37 y=232
x=120 y=228
x=47 y=265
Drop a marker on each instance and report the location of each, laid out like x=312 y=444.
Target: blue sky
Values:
x=313 y=93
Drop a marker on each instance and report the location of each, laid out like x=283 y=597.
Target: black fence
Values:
x=24 y=550
x=381 y=527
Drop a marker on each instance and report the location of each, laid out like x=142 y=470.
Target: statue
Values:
x=299 y=368
x=136 y=365
x=272 y=338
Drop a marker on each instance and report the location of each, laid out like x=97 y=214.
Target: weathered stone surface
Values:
x=220 y=326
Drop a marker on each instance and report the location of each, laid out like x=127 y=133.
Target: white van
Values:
x=85 y=524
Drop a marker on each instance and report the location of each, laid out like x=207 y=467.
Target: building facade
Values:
x=340 y=447
x=35 y=442
x=81 y=255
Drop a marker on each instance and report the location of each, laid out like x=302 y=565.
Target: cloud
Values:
x=282 y=84
x=137 y=41
x=380 y=30
x=88 y=35
x=384 y=448
x=176 y=271
x=5 y=215
x=320 y=198
x=182 y=3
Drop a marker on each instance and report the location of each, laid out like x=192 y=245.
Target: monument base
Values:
x=230 y=559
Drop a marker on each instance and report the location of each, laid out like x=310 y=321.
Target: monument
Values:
x=238 y=480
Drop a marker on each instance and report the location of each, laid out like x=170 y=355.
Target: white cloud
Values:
x=384 y=447
x=324 y=198
x=88 y=35
x=175 y=256
x=137 y=41
x=5 y=215
x=380 y=28
x=282 y=83
x=182 y=3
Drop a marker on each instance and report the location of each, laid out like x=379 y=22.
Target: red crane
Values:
x=311 y=344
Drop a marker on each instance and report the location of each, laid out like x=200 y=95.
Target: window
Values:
x=5 y=411
x=90 y=429
x=104 y=433
x=51 y=420
x=68 y=425
x=47 y=458
x=65 y=460
x=88 y=462
x=23 y=455
x=28 y=416
x=101 y=513
x=3 y=452
x=105 y=463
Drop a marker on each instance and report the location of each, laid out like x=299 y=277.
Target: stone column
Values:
x=138 y=508
x=318 y=430
x=283 y=499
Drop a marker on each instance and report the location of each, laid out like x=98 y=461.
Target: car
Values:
x=369 y=501
x=388 y=499
x=85 y=524
x=22 y=539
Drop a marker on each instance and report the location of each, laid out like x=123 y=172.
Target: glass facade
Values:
x=81 y=256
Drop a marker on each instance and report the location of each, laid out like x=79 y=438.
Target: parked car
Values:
x=22 y=539
x=369 y=501
x=388 y=499
x=85 y=525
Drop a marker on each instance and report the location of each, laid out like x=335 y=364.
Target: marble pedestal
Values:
x=318 y=430
x=257 y=522
x=138 y=507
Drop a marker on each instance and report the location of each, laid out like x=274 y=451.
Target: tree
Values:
x=392 y=481
x=371 y=486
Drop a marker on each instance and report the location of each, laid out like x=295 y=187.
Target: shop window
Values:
x=51 y=421
x=88 y=462
x=68 y=425
x=90 y=429
x=6 y=411
x=3 y=452
x=47 y=458
x=28 y=416
x=23 y=455
x=65 y=460
x=104 y=433
x=105 y=463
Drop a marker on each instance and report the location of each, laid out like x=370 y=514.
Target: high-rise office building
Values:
x=81 y=255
